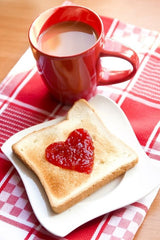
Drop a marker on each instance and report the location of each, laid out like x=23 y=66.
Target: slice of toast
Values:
x=66 y=187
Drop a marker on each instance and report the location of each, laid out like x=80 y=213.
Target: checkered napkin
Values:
x=25 y=101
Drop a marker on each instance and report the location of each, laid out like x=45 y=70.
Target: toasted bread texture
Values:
x=65 y=187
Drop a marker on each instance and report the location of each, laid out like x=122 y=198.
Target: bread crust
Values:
x=64 y=187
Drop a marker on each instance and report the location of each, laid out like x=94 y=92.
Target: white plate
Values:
x=135 y=184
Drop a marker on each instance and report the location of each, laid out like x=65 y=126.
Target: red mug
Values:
x=76 y=76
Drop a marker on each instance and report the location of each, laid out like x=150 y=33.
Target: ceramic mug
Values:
x=76 y=76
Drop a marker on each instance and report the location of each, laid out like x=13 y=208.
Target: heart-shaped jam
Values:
x=76 y=153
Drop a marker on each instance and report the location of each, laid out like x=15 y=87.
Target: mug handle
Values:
x=113 y=48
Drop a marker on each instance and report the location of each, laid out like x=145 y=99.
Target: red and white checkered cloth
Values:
x=25 y=101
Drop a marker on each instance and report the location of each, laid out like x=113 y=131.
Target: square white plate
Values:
x=132 y=186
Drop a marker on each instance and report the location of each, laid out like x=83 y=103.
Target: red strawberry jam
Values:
x=76 y=153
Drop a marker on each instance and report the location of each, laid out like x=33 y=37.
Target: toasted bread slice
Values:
x=66 y=187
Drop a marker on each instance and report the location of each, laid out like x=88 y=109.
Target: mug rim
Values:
x=69 y=56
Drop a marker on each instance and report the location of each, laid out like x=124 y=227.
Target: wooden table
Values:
x=15 y=19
